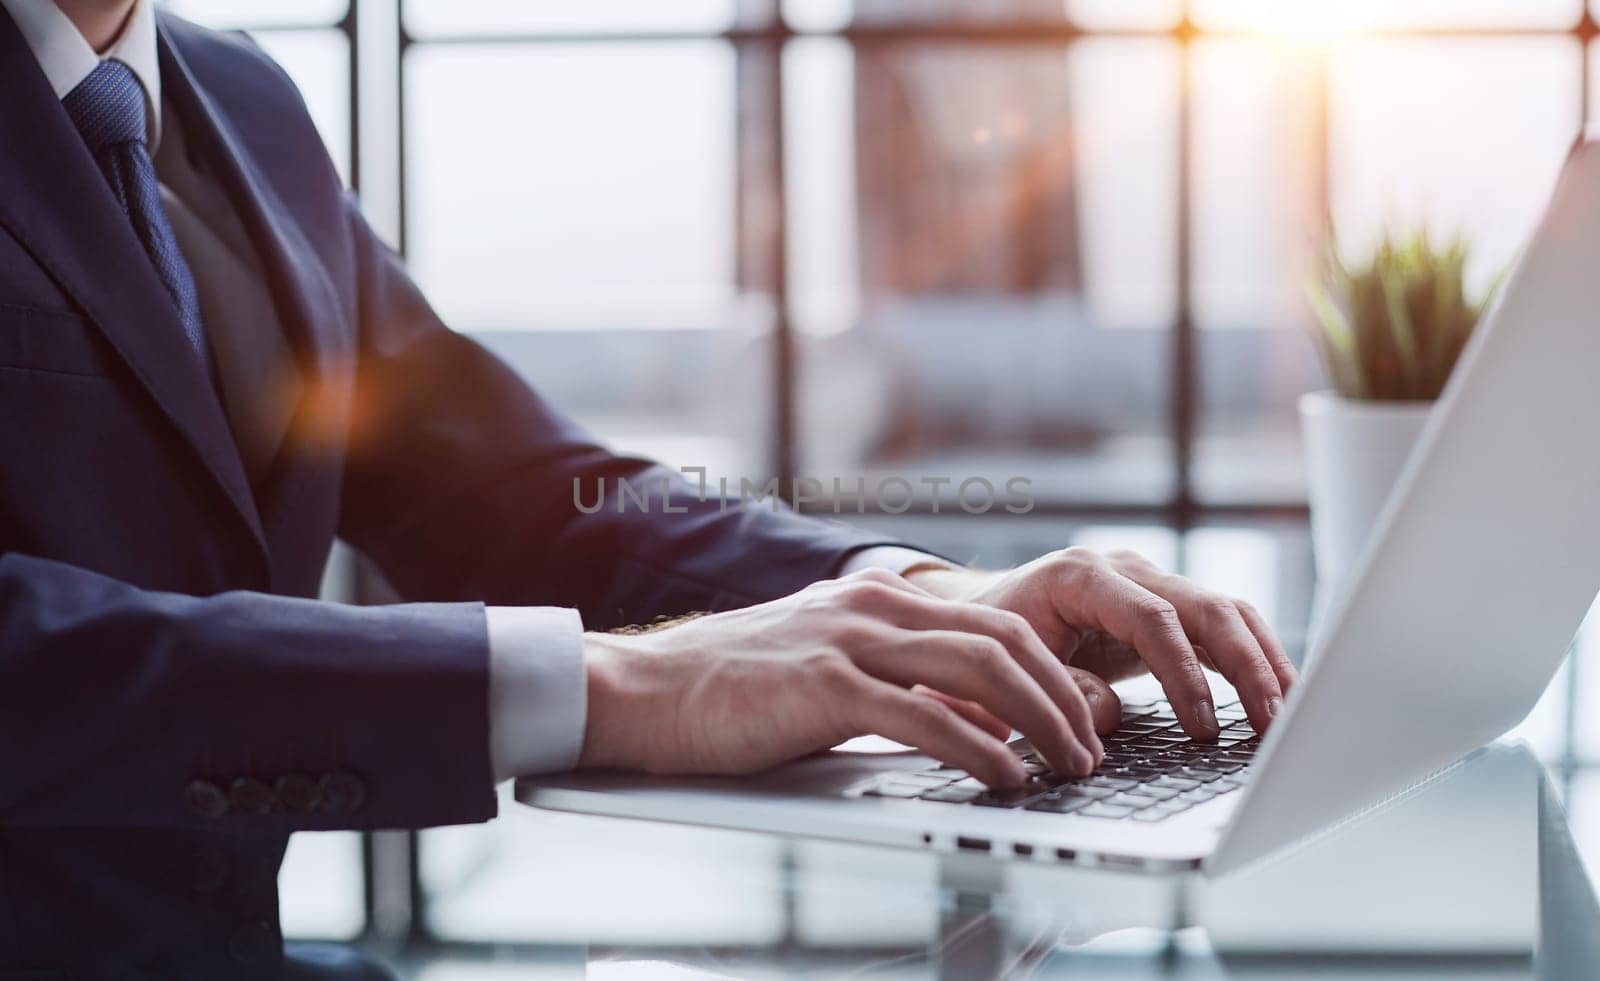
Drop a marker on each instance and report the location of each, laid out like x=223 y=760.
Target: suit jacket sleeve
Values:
x=117 y=702
x=460 y=484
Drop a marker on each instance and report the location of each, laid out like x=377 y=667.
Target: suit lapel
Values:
x=55 y=201
x=307 y=305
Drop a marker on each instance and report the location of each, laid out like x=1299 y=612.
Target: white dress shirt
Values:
x=537 y=686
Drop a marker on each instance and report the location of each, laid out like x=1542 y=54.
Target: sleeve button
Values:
x=250 y=796
x=342 y=793
x=297 y=792
x=205 y=799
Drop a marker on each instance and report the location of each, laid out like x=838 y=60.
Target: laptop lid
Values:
x=1482 y=566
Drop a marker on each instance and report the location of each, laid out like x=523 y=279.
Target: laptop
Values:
x=1476 y=578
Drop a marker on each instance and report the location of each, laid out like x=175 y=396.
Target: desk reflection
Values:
x=1473 y=875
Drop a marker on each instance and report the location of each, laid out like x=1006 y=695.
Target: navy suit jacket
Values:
x=172 y=701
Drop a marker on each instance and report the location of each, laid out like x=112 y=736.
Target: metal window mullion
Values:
x=1185 y=366
x=785 y=455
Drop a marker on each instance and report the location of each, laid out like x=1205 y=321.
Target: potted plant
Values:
x=1389 y=331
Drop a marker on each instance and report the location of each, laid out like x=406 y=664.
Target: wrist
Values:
x=606 y=660
x=947 y=581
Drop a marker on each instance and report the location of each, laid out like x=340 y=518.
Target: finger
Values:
x=1284 y=668
x=982 y=670
x=1042 y=665
x=1015 y=701
x=1213 y=621
x=971 y=711
x=1089 y=592
x=1108 y=658
x=931 y=726
x=1101 y=697
x=926 y=612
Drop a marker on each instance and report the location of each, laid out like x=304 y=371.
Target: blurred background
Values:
x=1062 y=239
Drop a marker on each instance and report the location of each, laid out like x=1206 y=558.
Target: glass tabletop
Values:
x=1473 y=874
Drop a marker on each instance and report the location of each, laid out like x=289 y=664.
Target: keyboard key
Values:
x=1101 y=780
x=921 y=778
x=1197 y=773
x=1152 y=814
x=889 y=789
x=1154 y=793
x=1085 y=792
x=1198 y=796
x=1165 y=739
x=1174 y=783
x=1224 y=785
x=950 y=795
x=1113 y=760
x=1052 y=804
x=1139 y=773
x=1130 y=800
x=1100 y=809
x=1011 y=797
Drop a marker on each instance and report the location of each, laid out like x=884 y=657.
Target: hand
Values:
x=742 y=691
x=1118 y=613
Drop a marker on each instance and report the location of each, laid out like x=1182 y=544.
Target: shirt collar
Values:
x=67 y=59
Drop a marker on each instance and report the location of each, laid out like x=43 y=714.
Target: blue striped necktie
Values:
x=108 y=109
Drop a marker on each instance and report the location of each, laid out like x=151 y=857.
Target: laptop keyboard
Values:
x=1152 y=770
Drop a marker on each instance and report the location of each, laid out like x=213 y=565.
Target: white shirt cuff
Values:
x=895 y=558
x=538 y=692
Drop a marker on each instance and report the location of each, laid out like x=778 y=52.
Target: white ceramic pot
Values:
x=1354 y=453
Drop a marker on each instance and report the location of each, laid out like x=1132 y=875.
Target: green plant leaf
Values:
x=1394 y=327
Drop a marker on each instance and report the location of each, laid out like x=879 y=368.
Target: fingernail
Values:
x=1207 y=716
x=1274 y=706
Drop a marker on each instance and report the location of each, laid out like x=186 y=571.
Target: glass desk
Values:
x=1474 y=875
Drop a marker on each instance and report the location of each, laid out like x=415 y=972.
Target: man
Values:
x=210 y=367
